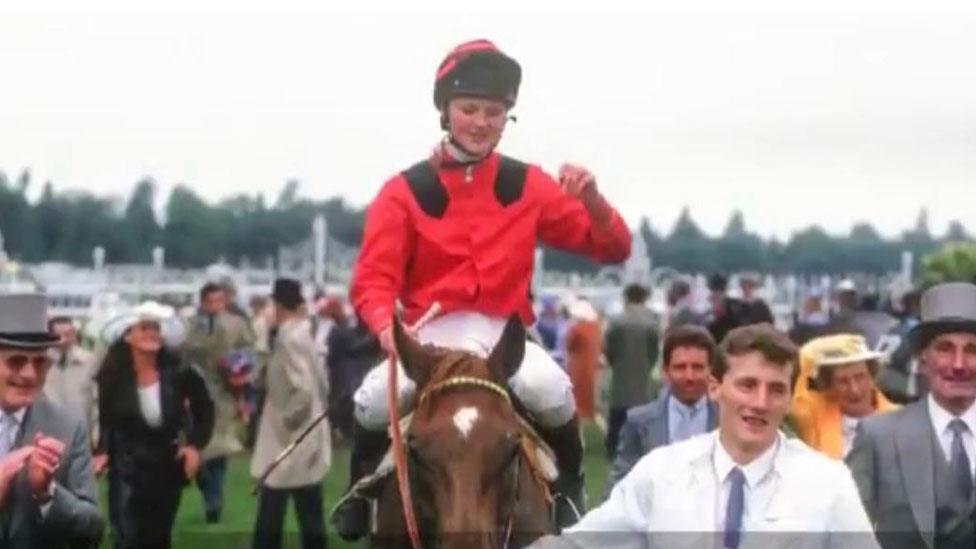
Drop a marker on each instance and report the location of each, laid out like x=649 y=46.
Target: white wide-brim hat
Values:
x=171 y=327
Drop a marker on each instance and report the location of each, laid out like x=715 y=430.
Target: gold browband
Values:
x=465 y=381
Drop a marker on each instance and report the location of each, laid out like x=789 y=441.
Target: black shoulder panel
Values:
x=510 y=181
x=427 y=189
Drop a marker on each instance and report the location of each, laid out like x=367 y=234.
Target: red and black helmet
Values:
x=477 y=68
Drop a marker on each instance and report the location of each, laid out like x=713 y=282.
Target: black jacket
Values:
x=135 y=447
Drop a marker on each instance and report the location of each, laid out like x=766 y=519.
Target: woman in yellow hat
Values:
x=835 y=390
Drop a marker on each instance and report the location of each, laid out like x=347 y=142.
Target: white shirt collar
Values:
x=18 y=415
x=755 y=471
x=941 y=417
x=686 y=410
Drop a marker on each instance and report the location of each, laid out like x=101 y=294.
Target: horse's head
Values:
x=465 y=439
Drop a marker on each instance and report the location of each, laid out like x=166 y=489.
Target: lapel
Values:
x=15 y=513
x=712 y=415
x=657 y=431
x=914 y=442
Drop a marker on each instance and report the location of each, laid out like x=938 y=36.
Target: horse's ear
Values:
x=413 y=357
x=508 y=353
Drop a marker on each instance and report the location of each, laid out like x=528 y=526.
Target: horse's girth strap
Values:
x=464 y=381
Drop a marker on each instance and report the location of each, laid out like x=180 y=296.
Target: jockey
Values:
x=460 y=229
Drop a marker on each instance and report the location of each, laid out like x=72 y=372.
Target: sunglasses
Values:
x=17 y=362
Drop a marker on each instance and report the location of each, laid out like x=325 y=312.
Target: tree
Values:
x=737 y=249
x=952 y=263
x=195 y=235
x=142 y=232
x=686 y=248
x=865 y=251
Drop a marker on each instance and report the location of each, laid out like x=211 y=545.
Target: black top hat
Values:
x=288 y=293
x=949 y=307
x=23 y=322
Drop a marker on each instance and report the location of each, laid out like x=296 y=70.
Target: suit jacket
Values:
x=292 y=402
x=892 y=463
x=668 y=500
x=647 y=428
x=73 y=518
x=631 y=348
x=144 y=455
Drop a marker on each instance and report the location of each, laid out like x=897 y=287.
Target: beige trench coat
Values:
x=294 y=399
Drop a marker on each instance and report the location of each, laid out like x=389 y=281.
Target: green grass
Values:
x=240 y=508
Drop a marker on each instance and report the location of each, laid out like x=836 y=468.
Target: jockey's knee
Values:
x=544 y=388
x=370 y=399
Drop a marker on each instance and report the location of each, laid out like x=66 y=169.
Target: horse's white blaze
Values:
x=464 y=420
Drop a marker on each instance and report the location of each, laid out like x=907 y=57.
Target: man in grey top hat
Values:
x=47 y=485
x=914 y=467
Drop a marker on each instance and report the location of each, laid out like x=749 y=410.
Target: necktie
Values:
x=959 y=461
x=8 y=430
x=733 y=511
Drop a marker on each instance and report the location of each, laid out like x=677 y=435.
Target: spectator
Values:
x=726 y=313
x=212 y=335
x=583 y=342
x=752 y=309
x=631 y=347
x=293 y=403
x=70 y=381
x=682 y=410
x=835 y=391
x=47 y=491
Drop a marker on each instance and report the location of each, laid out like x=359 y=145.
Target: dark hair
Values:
x=688 y=335
x=636 y=294
x=825 y=374
x=679 y=288
x=718 y=283
x=775 y=346
x=209 y=288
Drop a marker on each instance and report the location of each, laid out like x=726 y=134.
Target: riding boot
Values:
x=351 y=516
x=566 y=443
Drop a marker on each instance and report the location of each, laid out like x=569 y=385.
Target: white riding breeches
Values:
x=540 y=384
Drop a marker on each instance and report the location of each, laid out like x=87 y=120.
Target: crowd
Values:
x=704 y=460
x=161 y=402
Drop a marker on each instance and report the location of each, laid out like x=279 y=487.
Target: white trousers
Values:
x=540 y=384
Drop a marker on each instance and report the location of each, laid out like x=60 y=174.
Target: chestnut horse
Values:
x=468 y=459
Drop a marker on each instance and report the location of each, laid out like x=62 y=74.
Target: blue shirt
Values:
x=686 y=421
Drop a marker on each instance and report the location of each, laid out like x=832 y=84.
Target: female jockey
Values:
x=460 y=229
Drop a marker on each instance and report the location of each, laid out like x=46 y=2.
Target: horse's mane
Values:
x=450 y=363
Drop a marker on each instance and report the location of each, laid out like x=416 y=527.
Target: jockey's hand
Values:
x=578 y=182
x=387 y=341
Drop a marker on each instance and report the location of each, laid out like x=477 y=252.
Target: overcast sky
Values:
x=831 y=115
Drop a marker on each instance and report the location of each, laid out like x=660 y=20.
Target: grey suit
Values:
x=897 y=463
x=647 y=428
x=72 y=519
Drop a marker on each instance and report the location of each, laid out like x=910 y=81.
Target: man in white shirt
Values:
x=914 y=467
x=742 y=486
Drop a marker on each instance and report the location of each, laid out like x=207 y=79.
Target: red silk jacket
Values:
x=465 y=237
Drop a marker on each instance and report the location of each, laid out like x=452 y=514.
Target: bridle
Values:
x=403 y=478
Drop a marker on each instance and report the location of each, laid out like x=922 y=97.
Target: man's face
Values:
x=752 y=399
x=22 y=374
x=949 y=364
x=748 y=287
x=852 y=387
x=66 y=333
x=687 y=373
x=214 y=302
